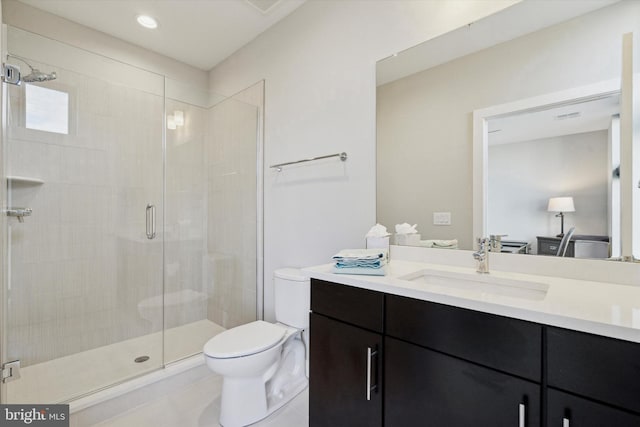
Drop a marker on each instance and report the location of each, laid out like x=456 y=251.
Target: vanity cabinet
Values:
x=380 y=359
x=345 y=363
x=509 y=345
x=568 y=410
x=604 y=372
x=426 y=387
x=459 y=367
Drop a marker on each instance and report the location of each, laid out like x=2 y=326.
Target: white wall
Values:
x=319 y=67
x=524 y=175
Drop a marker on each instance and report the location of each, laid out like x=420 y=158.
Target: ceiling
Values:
x=200 y=33
x=569 y=119
x=526 y=18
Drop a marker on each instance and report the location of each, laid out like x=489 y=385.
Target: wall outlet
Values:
x=442 y=218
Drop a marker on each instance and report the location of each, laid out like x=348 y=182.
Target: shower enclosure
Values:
x=133 y=220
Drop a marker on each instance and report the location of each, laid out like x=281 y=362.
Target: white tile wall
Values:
x=82 y=252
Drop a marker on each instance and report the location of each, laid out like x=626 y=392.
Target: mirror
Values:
x=572 y=152
x=559 y=60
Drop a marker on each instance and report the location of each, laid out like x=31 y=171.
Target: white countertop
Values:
x=606 y=309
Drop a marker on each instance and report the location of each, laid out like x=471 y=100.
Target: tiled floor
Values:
x=67 y=377
x=190 y=399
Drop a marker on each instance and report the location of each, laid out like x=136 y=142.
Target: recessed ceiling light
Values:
x=147 y=21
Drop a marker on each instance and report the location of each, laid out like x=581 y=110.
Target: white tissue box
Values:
x=408 y=239
x=378 y=242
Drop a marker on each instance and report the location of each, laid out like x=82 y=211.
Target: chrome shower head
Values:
x=35 y=76
x=38 y=76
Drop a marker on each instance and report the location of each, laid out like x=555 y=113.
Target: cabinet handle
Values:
x=370 y=354
x=565 y=422
x=522 y=412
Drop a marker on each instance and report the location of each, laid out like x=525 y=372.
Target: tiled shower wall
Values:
x=81 y=262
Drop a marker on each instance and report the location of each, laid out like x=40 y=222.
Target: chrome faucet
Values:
x=496 y=242
x=482 y=255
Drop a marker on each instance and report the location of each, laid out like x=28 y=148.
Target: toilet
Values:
x=263 y=364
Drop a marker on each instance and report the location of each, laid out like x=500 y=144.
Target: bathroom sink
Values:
x=479 y=283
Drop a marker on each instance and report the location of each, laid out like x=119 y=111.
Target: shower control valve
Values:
x=19 y=213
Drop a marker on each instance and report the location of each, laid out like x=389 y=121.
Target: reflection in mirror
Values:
x=553 y=169
x=426 y=98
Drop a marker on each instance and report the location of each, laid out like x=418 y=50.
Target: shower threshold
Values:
x=69 y=377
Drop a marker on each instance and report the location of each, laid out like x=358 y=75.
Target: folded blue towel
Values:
x=361 y=258
x=360 y=263
x=363 y=271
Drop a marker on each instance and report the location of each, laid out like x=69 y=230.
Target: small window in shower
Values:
x=46 y=109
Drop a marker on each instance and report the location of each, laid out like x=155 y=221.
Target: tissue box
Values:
x=408 y=239
x=377 y=242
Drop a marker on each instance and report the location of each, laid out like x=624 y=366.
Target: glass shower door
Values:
x=212 y=224
x=84 y=153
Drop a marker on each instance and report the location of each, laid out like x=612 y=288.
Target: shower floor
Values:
x=71 y=376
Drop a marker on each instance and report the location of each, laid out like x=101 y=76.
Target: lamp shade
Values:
x=561 y=204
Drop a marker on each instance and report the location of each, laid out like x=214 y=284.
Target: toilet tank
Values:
x=292 y=294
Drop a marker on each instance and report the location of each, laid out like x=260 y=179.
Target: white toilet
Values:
x=263 y=364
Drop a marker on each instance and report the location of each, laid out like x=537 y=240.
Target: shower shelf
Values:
x=24 y=180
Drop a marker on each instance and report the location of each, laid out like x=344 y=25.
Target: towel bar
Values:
x=278 y=167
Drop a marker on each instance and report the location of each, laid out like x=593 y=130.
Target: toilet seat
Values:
x=245 y=340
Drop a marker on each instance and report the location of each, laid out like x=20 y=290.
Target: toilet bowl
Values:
x=263 y=364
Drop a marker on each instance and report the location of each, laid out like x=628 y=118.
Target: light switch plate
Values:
x=442 y=218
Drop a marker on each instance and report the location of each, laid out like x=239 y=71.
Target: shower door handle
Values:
x=151 y=221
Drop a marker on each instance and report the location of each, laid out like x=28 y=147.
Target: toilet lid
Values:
x=244 y=340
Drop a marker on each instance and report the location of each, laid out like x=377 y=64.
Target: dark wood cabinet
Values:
x=359 y=307
x=509 y=345
x=550 y=245
x=598 y=368
x=567 y=410
x=345 y=363
x=425 y=387
x=345 y=379
x=379 y=359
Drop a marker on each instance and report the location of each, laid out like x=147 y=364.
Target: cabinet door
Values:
x=427 y=388
x=360 y=307
x=566 y=410
x=601 y=368
x=504 y=344
x=345 y=363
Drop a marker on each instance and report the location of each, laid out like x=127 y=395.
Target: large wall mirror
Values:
x=514 y=125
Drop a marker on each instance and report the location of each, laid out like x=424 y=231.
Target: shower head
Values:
x=35 y=76
x=38 y=76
